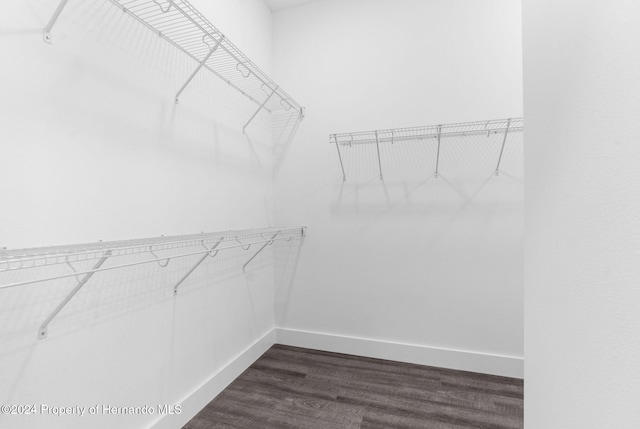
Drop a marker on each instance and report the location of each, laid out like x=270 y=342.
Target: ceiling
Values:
x=276 y=5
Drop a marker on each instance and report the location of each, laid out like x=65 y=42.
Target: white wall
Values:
x=93 y=148
x=96 y=148
x=582 y=325
x=411 y=260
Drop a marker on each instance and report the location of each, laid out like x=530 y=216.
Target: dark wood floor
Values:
x=290 y=387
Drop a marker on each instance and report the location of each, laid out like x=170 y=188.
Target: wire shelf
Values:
x=18 y=259
x=428 y=132
x=434 y=133
x=181 y=24
x=212 y=243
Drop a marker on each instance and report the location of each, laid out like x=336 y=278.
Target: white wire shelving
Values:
x=184 y=27
x=160 y=250
x=424 y=133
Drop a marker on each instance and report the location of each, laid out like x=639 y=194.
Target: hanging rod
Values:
x=181 y=24
x=11 y=260
x=435 y=132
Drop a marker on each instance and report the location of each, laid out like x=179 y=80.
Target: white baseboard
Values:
x=507 y=366
x=192 y=403
x=203 y=394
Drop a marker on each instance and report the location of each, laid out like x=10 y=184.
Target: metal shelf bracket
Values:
x=202 y=63
x=504 y=140
x=267 y=243
x=344 y=176
x=46 y=32
x=438 y=154
x=378 y=151
x=200 y=261
x=43 y=331
x=259 y=109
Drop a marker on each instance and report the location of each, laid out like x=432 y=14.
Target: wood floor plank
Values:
x=290 y=387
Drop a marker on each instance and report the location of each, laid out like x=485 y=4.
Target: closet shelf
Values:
x=429 y=132
x=19 y=259
x=182 y=25
x=161 y=250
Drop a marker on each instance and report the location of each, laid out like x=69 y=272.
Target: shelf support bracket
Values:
x=195 y=72
x=438 y=154
x=266 y=243
x=504 y=140
x=259 y=109
x=200 y=261
x=46 y=33
x=344 y=176
x=43 y=331
x=378 y=151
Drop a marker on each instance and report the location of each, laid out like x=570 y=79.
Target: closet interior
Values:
x=176 y=221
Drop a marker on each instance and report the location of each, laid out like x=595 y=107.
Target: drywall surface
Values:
x=94 y=148
x=411 y=259
x=582 y=325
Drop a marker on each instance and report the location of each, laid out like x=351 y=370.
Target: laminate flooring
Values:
x=291 y=387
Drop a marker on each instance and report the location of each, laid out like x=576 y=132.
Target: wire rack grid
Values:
x=182 y=25
x=18 y=259
x=428 y=132
x=384 y=141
